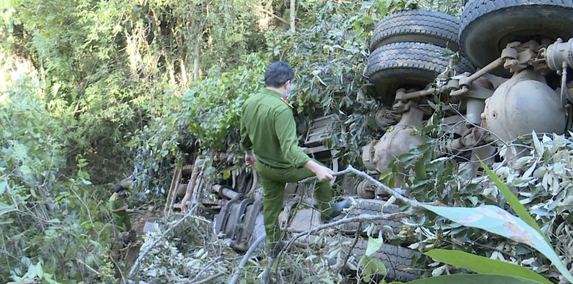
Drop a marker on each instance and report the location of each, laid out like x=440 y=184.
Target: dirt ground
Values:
x=138 y=219
x=128 y=251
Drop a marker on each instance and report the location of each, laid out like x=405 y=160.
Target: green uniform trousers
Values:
x=121 y=220
x=274 y=181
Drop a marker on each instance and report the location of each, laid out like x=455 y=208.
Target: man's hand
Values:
x=322 y=173
x=124 y=208
x=250 y=158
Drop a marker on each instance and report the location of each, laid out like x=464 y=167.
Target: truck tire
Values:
x=488 y=25
x=398 y=260
x=371 y=207
x=423 y=26
x=409 y=65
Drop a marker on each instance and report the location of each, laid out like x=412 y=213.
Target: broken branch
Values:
x=360 y=218
x=378 y=184
x=246 y=259
x=205 y=268
x=208 y=279
x=141 y=256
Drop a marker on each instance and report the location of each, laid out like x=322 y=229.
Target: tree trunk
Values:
x=197 y=57
x=183 y=72
x=292 y=15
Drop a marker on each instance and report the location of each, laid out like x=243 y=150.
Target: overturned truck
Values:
x=509 y=80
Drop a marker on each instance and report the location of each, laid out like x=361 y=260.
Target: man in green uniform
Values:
x=268 y=131
x=118 y=208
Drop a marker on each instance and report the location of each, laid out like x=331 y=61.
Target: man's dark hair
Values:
x=119 y=188
x=278 y=74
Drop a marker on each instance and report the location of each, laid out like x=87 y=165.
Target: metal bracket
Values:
x=318 y=131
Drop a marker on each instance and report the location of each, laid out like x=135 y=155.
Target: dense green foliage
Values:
x=51 y=226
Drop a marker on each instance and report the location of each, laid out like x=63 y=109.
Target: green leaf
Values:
x=513 y=201
x=420 y=169
x=374 y=244
x=7 y=221
x=473 y=199
x=39 y=270
x=474 y=279
x=25 y=170
x=50 y=280
x=371 y=266
x=483 y=265
x=3 y=186
x=226 y=174
x=498 y=221
x=538 y=147
x=5 y=208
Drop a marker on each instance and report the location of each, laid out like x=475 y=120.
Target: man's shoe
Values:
x=337 y=208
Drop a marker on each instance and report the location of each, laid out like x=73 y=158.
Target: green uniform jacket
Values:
x=121 y=218
x=117 y=203
x=269 y=130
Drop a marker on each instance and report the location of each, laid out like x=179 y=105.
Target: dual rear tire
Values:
x=409 y=49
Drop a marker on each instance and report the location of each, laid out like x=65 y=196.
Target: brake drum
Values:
x=523 y=104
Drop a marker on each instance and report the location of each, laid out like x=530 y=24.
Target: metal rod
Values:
x=564 y=89
x=464 y=90
x=421 y=93
x=494 y=64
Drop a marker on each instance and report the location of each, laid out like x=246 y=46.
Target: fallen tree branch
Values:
x=378 y=184
x=209 y=279
x=356 y=236
x=141 y=256
x=205 y=268
x=118 y=269
x=202 y=219
x=246 y=259
x=359 y=218
x=86 y=265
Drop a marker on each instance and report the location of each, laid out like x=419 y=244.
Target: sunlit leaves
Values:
x=37 y=212
x=498 y=221
x=474 y=279
x=484 y=265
